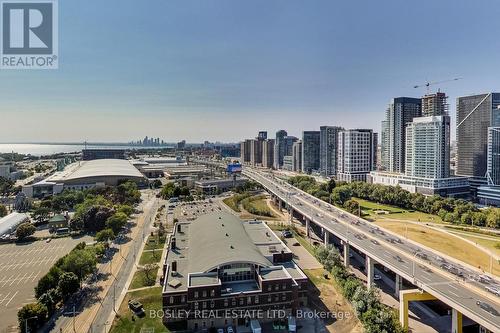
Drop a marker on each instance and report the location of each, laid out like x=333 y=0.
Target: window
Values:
x=226 y=302
x=276 y=287
x=249 y=300
x=276 y=297
x=212 y=292
x=171 y=300
x=183 y=299
x=256 y=299
x=204 y=293
x=283 y=297
x=212 y=304
x=269 y=287
x=196 y=305
x=242 y=301
x=204 y=305
x=195 y=294
x=283 y=286
x=269 y=299
x=233 y=302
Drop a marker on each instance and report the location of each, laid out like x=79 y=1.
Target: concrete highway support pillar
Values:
x=280 y=204
x=326 y=238
x=346 y=254
x=369 y=271
x=405 y=297
x=398 y=285
x=308 y=225
x=456 y=321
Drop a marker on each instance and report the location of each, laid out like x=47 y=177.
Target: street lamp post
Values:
x=26 y=323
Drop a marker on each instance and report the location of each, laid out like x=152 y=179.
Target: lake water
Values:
x=48 y=149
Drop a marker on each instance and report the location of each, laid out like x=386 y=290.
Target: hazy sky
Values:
x=222 y=70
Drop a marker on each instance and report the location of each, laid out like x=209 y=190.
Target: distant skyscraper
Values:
x=434 y=104
x=428 y=147
x=256 y=152
x=245 y=150
x=328 y=150
x=268 y=153
x=357 y=151
x=310 y=151
x=384 y=146
x=474 y=115
x=279 y=148
x=493 y=163
x=400 y=112
x=297 y=156
x=262 y=135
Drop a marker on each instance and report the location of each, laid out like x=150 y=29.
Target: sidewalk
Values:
x=83 y=321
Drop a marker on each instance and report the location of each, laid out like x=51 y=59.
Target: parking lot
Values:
x=21 y=266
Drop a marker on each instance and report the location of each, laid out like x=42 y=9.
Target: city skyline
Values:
x=221 y=76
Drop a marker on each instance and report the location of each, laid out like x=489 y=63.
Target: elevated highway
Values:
x=458 y=285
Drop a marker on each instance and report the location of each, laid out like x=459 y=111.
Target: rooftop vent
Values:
x=227 y=235
x=232 y=247
x=174 y=283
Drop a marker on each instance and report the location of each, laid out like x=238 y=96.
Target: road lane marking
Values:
x=10 y=300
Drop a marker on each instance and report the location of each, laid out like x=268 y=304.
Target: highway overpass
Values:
x=456 y=284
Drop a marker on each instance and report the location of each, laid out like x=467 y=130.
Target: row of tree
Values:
x=457 y=211
x=63 y=280
x=375 y=316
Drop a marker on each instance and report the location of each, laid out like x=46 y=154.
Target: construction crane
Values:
x=428 y=84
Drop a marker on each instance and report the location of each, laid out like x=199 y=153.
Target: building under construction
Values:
x=435 y=105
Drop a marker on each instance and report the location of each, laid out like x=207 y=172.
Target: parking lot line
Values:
x=5 y=297
x=10 y=300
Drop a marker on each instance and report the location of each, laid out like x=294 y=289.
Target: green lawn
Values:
x=150 y=257
x=152 y=301
x=155 y=243
x=138 y=281
x=257 y=205
x=395 y=213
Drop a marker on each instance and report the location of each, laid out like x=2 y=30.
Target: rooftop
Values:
x=97 y=168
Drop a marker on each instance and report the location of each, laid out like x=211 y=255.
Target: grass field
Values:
x=257 y=205
x=138 y=281
x=325 y=296
x=442 y=242
x=491 y=244
x=150 y=257
x=154 y=243
x=369 y=208
x=152 y=301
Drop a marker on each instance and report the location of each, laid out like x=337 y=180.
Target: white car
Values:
x=230 y=329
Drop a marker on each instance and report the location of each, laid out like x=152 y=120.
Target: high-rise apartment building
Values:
x=434 y=105
x=400 y=113
x=328 y=150
x=493 y=162
x=490 y=194
x=474 y=115
x=279 y=148
x=384 y=146
x=268 y=153
x=357 y=151
x=428 y=147
x=310 y=151
x=256 y=151
x=297 y=156
x=245 y=151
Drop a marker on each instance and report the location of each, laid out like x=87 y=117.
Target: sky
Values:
x=225 y=69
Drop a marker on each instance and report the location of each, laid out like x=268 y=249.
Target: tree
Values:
x=104 y=235
x=116 y=222
x=352 y=206
x=24 y=230
x=3 y=210
x=68 y=284
x=50 y=300
x=479 y=219
x=125 y=209
x=341 y=194
x=493 y=220
x=149 y=271
x=81 y=262
x=48 y=281
x=32 y=316
x=41 y=214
